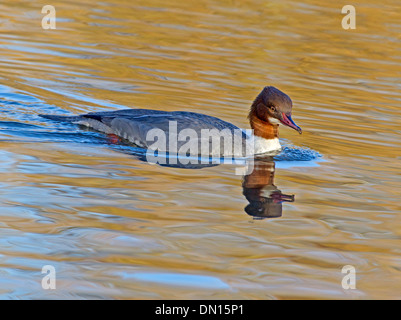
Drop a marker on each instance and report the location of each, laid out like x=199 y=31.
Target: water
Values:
x=115 y=226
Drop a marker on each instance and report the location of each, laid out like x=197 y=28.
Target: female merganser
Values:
x=141 y=126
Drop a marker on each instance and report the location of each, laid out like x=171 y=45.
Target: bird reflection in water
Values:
x=265 y=199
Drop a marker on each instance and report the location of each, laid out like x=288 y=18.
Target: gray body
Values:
x=134 y=125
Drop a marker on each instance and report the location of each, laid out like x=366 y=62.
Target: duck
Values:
x=184 y=132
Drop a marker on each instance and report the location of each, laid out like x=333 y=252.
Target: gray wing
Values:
x=144 y=127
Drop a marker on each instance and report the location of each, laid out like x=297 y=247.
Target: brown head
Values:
x=270 y=108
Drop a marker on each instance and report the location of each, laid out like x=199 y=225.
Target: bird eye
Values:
x=272 y=108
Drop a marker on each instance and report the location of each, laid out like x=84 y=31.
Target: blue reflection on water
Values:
x=178 y=279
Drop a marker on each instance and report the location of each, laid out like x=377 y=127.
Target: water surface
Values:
x=114 y=226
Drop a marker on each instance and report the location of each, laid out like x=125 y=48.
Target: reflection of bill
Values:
x=265 y=199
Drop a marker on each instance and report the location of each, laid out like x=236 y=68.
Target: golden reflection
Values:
x=64 y=200
x=265 y=199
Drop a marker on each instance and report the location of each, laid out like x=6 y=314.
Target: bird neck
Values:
x=259 y=121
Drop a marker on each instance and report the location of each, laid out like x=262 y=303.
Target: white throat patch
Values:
x=273 y=120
